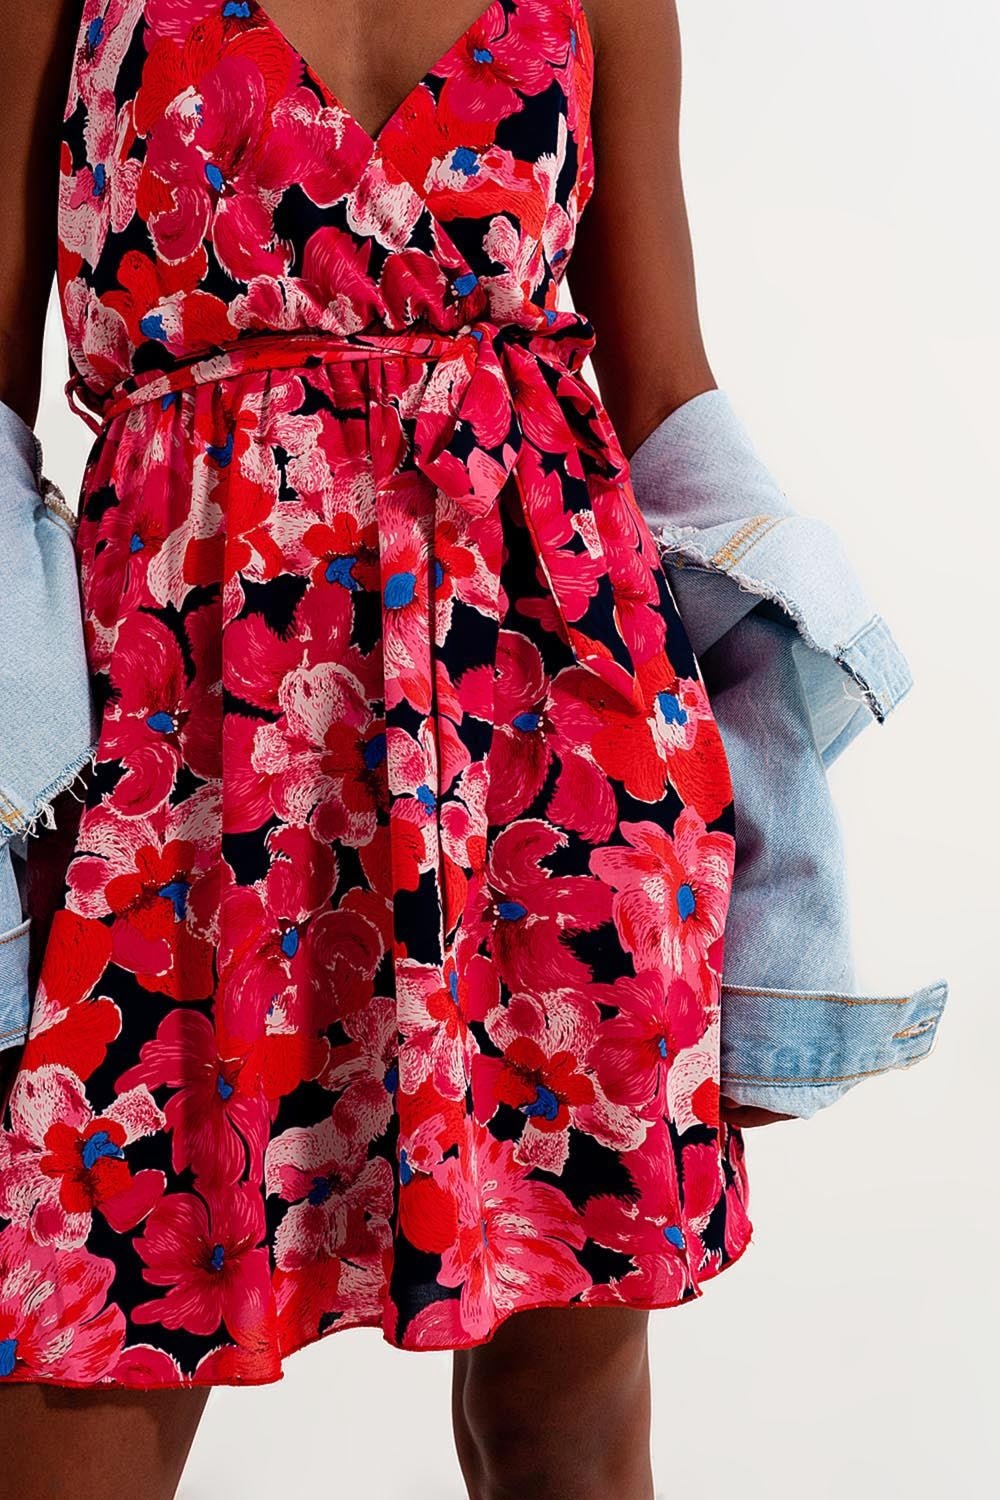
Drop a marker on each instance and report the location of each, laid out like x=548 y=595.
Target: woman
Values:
x=382 y=984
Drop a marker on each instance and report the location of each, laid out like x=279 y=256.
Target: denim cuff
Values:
x=796 y=1051
x=15 y=927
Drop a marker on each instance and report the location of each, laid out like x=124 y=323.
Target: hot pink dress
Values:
x=385 y=987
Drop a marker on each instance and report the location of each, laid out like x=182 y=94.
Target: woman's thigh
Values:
x=87 y=1445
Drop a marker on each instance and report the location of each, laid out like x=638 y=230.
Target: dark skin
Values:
x=557 y=1403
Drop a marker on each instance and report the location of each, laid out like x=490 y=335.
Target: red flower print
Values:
x=61 y=1162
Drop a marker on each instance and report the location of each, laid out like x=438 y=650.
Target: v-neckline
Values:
x=374 y=141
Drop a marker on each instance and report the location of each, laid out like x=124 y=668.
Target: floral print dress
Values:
x=385 y=985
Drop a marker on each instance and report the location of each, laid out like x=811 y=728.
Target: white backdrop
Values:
x=841 y=167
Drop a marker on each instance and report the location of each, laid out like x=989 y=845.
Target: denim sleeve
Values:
x=15 y=1003
x=796 y=1031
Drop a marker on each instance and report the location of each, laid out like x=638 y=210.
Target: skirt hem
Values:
x=233 y=1381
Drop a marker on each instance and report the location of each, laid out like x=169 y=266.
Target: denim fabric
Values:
x=796 y=661
x=47 y=718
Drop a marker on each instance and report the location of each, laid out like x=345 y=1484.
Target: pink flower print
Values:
x=523 y=735
x=546 y=1072
x=405 y=621
x=433 y=1030
x=159 y=717
x=532 y=913
x=671 y=894
x=515 y=1239
x=55 y=1321
x=99 y=198
x=285 y=958
x=60 y=1162
x=638 y=1046
x=651 y=1227
x=341 y=1200
x=490 y=66
x=207 y=1250
x=702 y=1183
x=365 y=1069
x=218 y=1116
x=200 y=168
x=168 y=307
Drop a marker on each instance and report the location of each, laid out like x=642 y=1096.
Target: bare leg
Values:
x=557 y=1403
x=59 y=1444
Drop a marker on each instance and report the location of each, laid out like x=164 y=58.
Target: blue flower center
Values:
x=661 y=1045
x=339 y=570
x=426 y=797
x=223 y=1089
x=217 y=1257
x=320 y=1190
x=99 y=179
x=161 y=722
x=95 y=32
x=176 y=892
x=405 y=1170
x=136 y=542
x=98 y=1145
x=674 y=1235
x=236 y=8
x=685 y=901
x=544 y=1103
x=222 y=456
x=438 y=574
x=400 y=590
x=511 y=911
x=152 y=326
x=453 y=985
x=375 y=751
x=670 y=707
x=391 y=1080
x=290 y=942
x=466 y=161
x=482 y=54
x=463 y=284
x=527 y=722
x=8 y=1356
x=214 y=175
x=482 y=1231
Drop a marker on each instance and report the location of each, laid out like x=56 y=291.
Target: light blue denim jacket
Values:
x=47 y=719
x=796 y=662
x=795 y=659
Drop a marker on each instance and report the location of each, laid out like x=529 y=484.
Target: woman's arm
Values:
x=35 y=62
x=632 y=271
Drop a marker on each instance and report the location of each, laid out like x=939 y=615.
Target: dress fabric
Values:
x=385 y=985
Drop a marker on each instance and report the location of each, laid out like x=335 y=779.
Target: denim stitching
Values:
x=807 y=995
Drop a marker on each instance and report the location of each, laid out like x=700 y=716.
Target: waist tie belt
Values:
x=468 y=434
